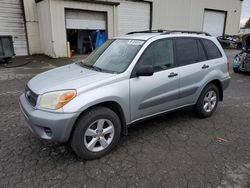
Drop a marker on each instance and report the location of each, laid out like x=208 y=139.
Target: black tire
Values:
x=89 y=117
x=7 y=60
x=199 y=107
x=236 y=70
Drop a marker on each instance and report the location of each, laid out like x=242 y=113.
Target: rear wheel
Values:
x=207 y=102
x=96 y=133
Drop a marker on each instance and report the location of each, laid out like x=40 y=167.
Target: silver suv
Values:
x=128 y=79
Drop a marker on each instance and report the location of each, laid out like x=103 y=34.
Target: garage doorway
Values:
x=86 y=30
x=214 y=22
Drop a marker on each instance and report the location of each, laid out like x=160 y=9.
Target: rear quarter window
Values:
x=212 y=50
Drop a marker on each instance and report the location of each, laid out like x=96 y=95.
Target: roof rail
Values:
x=165 y=32
x=183 y=31
x=148 y=31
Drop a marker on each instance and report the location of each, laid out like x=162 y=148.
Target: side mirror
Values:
x=145 y=70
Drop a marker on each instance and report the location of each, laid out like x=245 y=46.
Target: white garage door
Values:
x=214 y=22
x=86 y=20
x=133 y=16
x=12 y=23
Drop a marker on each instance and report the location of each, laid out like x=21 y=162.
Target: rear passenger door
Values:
x=193 y=67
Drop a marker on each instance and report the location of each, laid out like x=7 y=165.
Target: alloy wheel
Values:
x=210 y=101
x=99 y=135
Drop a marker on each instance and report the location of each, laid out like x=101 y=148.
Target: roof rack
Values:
x=165 y=32
x=183 y=31
x=147 y=31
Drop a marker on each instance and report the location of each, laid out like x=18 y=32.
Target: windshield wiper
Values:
x=91 y=67
x=98 y=69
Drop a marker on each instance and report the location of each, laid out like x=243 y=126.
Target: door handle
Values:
x=205 y=66
x=172 y=74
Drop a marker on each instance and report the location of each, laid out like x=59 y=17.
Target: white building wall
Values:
x=31 y=20
x=168 y=14
x=58 y=29
x=245 y=31
x=45 y=27
x=188 y=14
x=34 y=15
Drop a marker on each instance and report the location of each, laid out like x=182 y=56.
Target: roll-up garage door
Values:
x=12 y=23
x=214 y=22
x=133 y=16
x=85 y=20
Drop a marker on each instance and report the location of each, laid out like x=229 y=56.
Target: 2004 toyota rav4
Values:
x=127 y=79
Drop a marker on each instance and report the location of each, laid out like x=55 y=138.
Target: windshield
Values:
x=113 y=55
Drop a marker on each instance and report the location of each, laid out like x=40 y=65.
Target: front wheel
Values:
x=236 y=70
x=96 y=133
x=207 y=102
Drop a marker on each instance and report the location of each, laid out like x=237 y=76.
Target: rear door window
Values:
x=187 y=51
x=212 y=50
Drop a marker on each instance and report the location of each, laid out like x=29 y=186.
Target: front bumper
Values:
x=236 y=65
x=48 y=125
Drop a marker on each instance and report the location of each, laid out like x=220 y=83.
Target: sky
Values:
x=245 y=15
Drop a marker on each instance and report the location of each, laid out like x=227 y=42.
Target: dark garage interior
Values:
x=85 y=41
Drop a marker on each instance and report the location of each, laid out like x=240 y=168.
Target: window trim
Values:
x=202 y=44
x=199 y=40
x=133 y=73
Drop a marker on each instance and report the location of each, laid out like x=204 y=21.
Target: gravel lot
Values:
x=176 y=150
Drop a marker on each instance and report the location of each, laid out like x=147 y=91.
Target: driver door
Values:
x=154 y=94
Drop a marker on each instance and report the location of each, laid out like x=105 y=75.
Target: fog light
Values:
x=48 y=131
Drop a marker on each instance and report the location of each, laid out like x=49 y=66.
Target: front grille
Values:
x=31 y=96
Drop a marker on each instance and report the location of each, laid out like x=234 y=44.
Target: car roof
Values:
x=139 y=36
x=146 y=35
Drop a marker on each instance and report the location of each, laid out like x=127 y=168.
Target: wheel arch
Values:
x=218 y=84
x=114 y=106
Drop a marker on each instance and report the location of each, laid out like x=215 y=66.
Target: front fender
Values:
x=116 y=92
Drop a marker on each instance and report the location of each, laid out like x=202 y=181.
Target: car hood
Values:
x=71 y=76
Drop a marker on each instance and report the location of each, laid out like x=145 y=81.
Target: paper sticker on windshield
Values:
x=135 y=42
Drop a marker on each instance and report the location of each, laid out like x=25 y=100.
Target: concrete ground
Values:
x=176 y=150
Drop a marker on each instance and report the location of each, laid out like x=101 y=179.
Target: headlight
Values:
x=56 y=99
x=236 y=60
